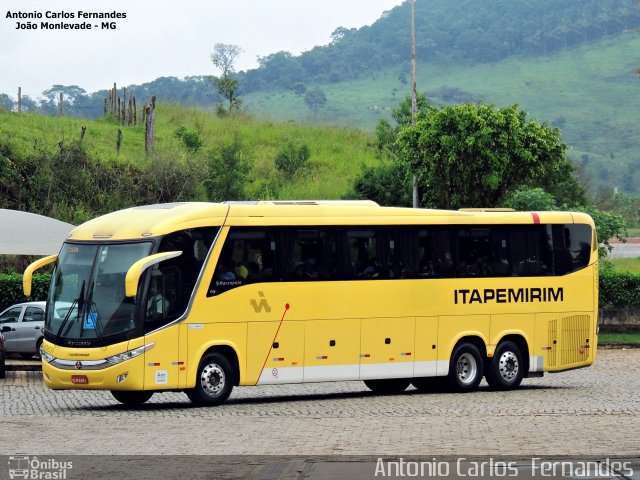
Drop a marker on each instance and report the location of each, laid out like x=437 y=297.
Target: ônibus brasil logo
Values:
x=33 y=468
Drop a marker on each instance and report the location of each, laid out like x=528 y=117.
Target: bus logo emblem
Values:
x=78 y=365
x=258 y=306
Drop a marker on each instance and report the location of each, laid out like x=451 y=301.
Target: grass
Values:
x=633 y=231
x=337 y=152
x=587 y=91
x=628 y=264
x=619 y=338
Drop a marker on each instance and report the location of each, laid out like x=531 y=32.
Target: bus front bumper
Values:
x=128 y=375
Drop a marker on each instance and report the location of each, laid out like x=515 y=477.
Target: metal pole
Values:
x=414 y=97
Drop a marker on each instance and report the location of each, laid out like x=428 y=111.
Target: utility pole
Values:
x=414 y=96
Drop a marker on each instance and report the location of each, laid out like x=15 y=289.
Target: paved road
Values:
x=592 y=411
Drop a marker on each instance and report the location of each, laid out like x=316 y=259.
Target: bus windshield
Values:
x=87 y=295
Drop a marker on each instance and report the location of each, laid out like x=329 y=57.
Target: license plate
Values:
x=79 y=379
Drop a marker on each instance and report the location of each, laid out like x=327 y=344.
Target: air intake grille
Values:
x=575 y=331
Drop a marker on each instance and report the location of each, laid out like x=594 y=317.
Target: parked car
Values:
x=2 y=366
x=22 y=326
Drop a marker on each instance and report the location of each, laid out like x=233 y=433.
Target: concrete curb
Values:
x=14 y=366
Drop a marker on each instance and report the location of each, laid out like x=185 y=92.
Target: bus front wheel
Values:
x=505 y=369
x=131 y=399
x=214 y=381
x=465 y=369
x=388 y=386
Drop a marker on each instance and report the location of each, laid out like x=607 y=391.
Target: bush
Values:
x=530 y=199
x=619 y=289
x=292 y=158
x=190 y=139
x=11 y=289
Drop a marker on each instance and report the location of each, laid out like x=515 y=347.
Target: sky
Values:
x=161 y=38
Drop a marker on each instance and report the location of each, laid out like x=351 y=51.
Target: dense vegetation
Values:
x=46 y=168
x=567 y=62
x=619 y=289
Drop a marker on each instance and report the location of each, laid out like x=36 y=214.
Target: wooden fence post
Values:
x=114 y=95
x=19 y=99
x=150 y=117
x=118 y=141
x=60 y=107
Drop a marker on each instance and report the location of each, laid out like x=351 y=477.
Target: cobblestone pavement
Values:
x=592 y=411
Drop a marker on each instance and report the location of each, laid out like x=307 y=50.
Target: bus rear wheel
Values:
x=131 y=399
x=388 y=386
x=214 y=381
x=465 y=369
x=505 y=369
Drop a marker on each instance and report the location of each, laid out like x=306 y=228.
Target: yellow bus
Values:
x=202 y=297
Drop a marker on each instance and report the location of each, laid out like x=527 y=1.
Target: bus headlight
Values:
x=121 y=357
x=46 y=356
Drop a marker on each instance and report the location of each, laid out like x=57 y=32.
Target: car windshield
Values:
x=87 y=295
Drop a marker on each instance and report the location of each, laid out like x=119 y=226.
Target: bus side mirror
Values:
x=27 y=277
x=135 y=271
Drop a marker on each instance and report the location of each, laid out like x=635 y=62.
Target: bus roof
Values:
x=154 y=220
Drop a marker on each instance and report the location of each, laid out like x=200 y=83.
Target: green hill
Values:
x=41 y=156
x=567 y=62
x=589 y=92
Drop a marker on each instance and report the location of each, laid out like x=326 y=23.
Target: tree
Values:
x=227 y=172
x=388 y=184
x=224 y=57
x=292 y=158
x=531 y=199
x=5 y=102
x=386 y=133
x=315 y=99
x=476 y=155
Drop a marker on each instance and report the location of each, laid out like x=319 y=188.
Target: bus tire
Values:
x=465 y=368
x=133 y=398
x=505 y=370
x=39 y=348
x=214 y=381
x=3 y=368
x=388 y=386
x=428 y=384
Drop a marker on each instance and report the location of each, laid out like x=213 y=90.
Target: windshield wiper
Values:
x=76 y=303
x=92 y=313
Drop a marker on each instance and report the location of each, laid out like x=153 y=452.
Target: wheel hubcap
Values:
x=212 y=379
x=466 y=368
x=508 y=366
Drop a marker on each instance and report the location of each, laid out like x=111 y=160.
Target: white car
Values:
x=22 y=326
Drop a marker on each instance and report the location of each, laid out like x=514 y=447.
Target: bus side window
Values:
x=368 y=253
x=531 y=250
x=309 y=253
x=248 y=256
x=571 y=247
x=185 y=269
x=481 y=251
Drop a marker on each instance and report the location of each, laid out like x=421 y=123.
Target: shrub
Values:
x=292 y=158
x=11 y=289
x=619 y=289
x=190 y=139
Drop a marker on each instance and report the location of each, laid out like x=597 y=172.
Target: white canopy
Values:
x=23 y=233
